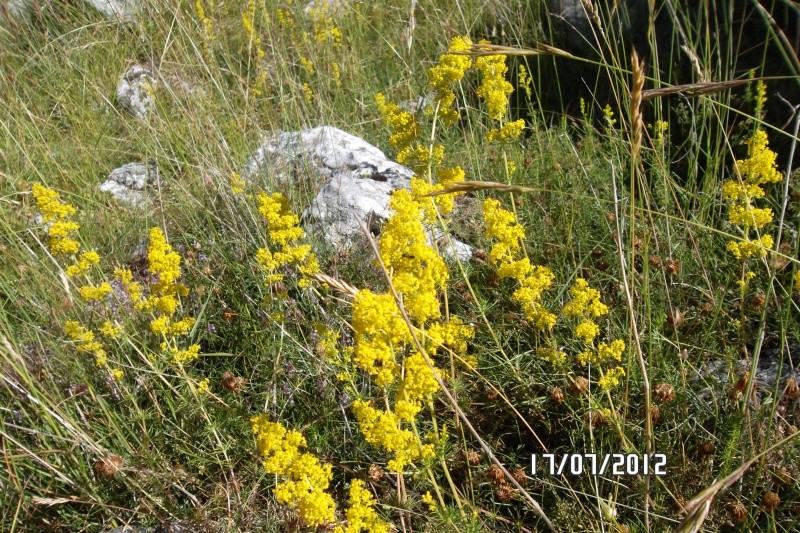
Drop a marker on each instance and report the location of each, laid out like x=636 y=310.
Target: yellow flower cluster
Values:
x=134 y=288
x=305 y=479
x=524 y=80
x=418 y=385
x=325 y=30
x=380 y=333
x=57 y=214
x=84 y=263
x=208 y=26
x=532 y=280
x=758 y=169
x=404 y=127
x=382 y=429
x=164 y=298
x=418 y=272
x=254 y=40
x=95 y=292
x=494 y=88
x=449 y=71
x=284 y=230
x=585 y=306
x=86 y=341
x=361 y=515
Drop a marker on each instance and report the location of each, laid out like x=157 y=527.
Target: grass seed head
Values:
x=107 y=467
x=664 y=392
x=770 y=501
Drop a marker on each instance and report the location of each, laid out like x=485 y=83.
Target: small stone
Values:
x=136 y=90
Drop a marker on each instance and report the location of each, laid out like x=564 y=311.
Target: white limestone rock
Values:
x=123 y=10
x=358 y=181
x=129 y=182
x=135 y=91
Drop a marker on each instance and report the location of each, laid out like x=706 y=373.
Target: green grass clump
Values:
x=204 y=361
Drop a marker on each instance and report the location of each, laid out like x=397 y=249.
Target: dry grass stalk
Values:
x=472 y=186
x=637 y=122
x=337 y=284
x=694 y=89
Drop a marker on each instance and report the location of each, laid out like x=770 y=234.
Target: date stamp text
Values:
x=613 y=464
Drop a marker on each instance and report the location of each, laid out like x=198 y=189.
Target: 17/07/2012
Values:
x=613 y=464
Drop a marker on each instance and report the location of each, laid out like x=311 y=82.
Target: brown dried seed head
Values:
x=480 y=255
x=741 y=383
x=231 y=382
x=792 y=389
x=492 y=395
x=580 y=386
x=107 y=467
x=495 y=474
x=595 y=419
x=705 y=448
x=672 y=267
x=519 y=476
x=655 y=413
x=375 y=473
x=770 y=501
x=758 y=300
x=675 y=318
x=597 y=251
x=782 y=475
x=473 y=457
x=654 y=261
x=738 y=511
x=707 y=308
x=664 y=392
x=556 y=395
x=505 y=492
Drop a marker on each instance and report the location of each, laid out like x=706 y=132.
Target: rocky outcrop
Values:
x=135 y=91
x=357 y=177
x=126 y=10
x=128 y=183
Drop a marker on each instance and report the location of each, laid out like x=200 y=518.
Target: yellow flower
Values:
x=361 y=515
x=305 y=480
x=494 y=88
x=509 y=131
x=428 y=500
x=95 y=292
x=404 y=127
x=751 y=248
x=202 y=386
x=116 y=373
x=84 y=263
x=610 y=378
x=585 y=301
x=381 y=428
x=760 y=167
x=109 y=329
x=524 y=79
x=49 y=203
x=449 y=71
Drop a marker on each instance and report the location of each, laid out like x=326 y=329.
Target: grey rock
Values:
x=135 y=91
x=125 y=10
x=128 y=183
x=772 y=370
x=358 y=181
x=117 y=9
